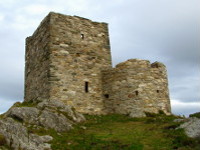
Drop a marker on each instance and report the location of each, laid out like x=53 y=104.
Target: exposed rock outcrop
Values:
x=192 y=127
x=17 y=121
x=17 y=136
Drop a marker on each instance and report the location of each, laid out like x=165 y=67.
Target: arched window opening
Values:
x=136 y=93
x=157 y=91
x=86 y=87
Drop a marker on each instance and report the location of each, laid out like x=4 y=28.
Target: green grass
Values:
x=25 y=104
x=195 y=115
x=118 y=132
x=1 y=116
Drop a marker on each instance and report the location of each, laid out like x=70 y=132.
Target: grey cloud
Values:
x=180 y=108
x=185 y=89
x=163 y=31
x=185 y=110
x=5 y=105
x=168 y=37
x=11 y=87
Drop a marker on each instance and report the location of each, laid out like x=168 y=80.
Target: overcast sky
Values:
x=157 y=30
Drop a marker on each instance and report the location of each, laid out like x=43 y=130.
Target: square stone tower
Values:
x=64 y=60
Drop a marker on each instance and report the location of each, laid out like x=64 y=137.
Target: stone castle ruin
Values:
x=68 y=59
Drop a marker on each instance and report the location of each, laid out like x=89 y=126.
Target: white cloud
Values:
x=5 y=105
x=23 y=23
x=73 y=6
x=181 y=108
x=1 y=18
x=7 y=3
x=40 y=9
x=76 y=6
x=36 y=9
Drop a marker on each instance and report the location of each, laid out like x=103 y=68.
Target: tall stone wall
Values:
x=64 y=59
x=37 y=63
x=135 y=87
x=79 y=49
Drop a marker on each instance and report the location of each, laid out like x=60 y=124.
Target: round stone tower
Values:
x=136 y=87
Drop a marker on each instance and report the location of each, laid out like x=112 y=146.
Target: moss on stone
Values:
x=2 y=140
x=1 y=116
x=25 y=104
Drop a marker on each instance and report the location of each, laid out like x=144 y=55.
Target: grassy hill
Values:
x=118 y=132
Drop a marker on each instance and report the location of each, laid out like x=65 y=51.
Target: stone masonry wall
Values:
x=79 y=51
x=135 y=87
x=68 y=59
x=37 y=63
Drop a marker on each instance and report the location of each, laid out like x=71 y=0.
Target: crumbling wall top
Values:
x=139 y=64
x=157 y=65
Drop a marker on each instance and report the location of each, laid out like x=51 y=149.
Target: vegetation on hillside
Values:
x=197 y=115
x=119 y=132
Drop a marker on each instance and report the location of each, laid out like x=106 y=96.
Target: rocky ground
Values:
x=191 y=125
x=16 y=123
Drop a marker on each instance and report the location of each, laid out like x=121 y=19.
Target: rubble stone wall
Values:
x=37 y=63
x=68 y=59
x=135 y=87
x=79 y=50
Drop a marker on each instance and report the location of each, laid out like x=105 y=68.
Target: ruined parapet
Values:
x=135 y=87
x=64 y=58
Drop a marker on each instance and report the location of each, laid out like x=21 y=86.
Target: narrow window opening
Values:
x=106 y=95
x=78 y=54
x=86 y=87
x=157 y=91
x=82 y=36
x=136 y=93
